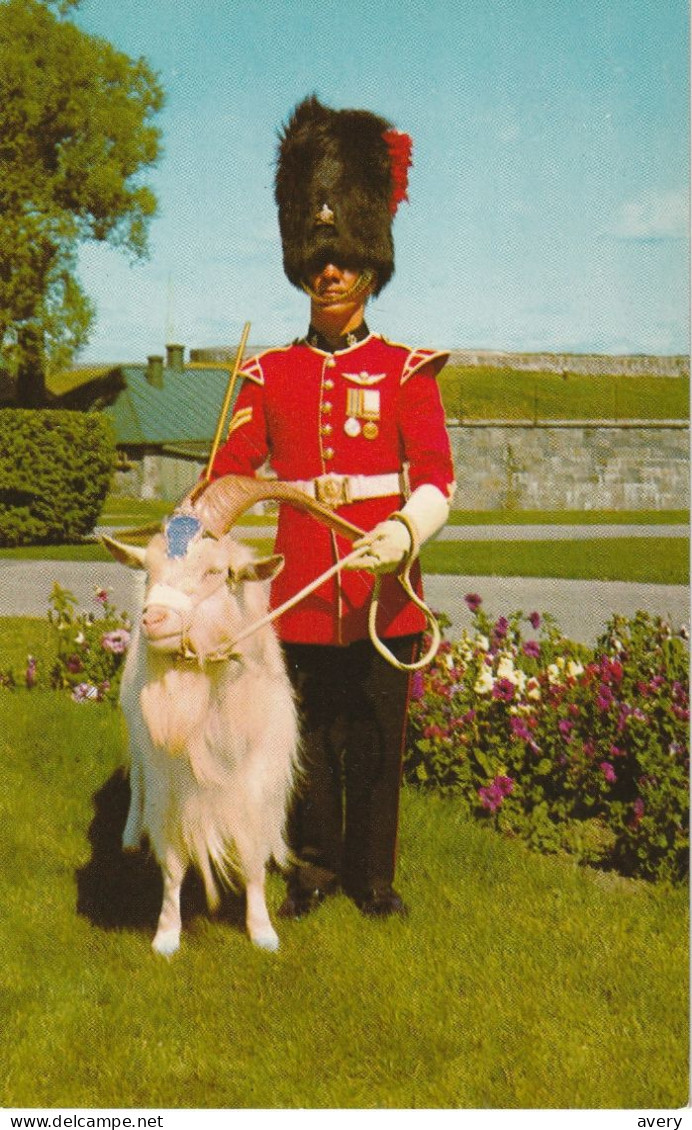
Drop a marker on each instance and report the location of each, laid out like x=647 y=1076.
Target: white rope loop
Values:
x=404 y=579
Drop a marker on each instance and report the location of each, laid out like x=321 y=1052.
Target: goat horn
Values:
x=220 y=505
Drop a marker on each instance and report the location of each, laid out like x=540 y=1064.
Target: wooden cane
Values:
x=227 y=401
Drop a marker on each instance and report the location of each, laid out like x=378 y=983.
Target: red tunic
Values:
x=297 y=408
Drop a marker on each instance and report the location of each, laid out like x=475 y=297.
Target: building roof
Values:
x=180 y=408
x=185 y=407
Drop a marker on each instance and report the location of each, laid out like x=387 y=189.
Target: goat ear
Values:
x=263 y=569
x=132 y=555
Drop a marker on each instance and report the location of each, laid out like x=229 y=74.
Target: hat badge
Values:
x=325 y=216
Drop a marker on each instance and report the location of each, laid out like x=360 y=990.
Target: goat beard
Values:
x=174 y=705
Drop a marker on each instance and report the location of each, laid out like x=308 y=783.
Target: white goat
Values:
x=213 y=735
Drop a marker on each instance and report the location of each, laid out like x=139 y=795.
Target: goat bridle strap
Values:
x=233 y=494
x=404 y=580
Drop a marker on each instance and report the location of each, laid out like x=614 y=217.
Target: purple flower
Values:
x=417 y=686
x=491 y=796
x=473 y=601
x=565 y=729
x=532 y=648
x=101 y=596
x=604 y=701
x=504 y=784
x=74 y=664
x=503 y=690
x=535 y=620
x=501 y=628
x=116 y=641
x=639 y=808
x=608 y=772
x=519 y=729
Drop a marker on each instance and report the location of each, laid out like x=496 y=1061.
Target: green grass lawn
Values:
x=135 y=512
x=485 y=393
x=569 y=517
x=646 y=560
x=518 y=981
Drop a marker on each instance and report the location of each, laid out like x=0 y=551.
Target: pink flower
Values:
x=116 y=641
x=608 y=772
x=85 y=692
x=473 y=601
x=101 y=596
x=535 y=620
x=491 y=796
x=532 y=648
x=30 y=676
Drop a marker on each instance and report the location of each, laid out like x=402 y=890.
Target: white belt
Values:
x=339 y=490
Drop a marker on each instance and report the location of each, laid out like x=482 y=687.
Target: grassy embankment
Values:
x=479 y=393
x=518 y=981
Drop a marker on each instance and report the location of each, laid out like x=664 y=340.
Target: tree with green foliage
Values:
x=76 y=134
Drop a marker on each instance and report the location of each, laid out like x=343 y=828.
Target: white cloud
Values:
x=654 y=215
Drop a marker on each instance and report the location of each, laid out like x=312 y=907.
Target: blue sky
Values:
x=549 y=193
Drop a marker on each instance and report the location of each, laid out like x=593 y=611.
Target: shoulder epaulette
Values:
x=252 y=368
x=417 y=358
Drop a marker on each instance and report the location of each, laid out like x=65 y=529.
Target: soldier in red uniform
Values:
x=357 y=421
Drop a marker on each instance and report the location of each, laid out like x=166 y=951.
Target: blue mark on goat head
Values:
x=181 y=531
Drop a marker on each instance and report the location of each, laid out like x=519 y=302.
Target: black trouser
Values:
x=353 y=704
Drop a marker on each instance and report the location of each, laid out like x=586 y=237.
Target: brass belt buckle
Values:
x=332 y=490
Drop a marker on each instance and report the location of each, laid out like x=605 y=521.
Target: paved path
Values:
x=510 y=533
x=580 y=607
x=558 y=533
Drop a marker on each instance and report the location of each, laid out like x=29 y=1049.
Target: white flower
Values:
x=483 y=643
x=484 y=682
x=574 y=669
x=554 y=673
x=533 y=689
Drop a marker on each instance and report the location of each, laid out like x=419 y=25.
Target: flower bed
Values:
x=86 y=654
x=567 y=747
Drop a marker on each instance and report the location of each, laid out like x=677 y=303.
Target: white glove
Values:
x=385 y=546
x=427 y=510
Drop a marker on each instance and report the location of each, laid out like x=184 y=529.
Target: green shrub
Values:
x=565 y=747
x=55 y=471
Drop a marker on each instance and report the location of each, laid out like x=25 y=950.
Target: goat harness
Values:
x=183 y=528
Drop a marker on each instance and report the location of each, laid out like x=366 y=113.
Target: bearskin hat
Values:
x=340 y=175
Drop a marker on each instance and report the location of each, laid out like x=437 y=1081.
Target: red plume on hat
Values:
x=400 y=147
x=340 y=177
